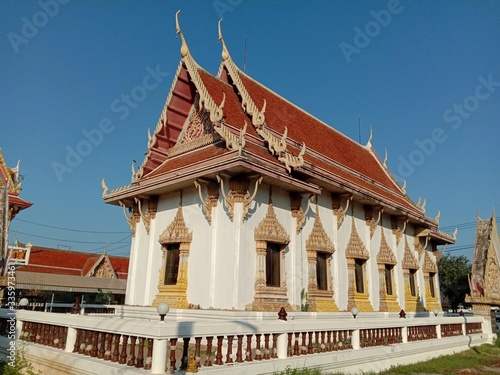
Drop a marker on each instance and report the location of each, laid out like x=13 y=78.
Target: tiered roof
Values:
x=250 y=129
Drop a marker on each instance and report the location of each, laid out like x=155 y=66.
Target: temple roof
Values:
x=241 y=126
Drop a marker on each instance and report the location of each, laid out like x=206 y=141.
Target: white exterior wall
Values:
x=222 y=257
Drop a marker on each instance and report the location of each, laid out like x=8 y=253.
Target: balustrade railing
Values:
x=448 y=330
x=44 y=334
x=471 y=328
x=417 y=333
x=380 y=336
x=206 y=343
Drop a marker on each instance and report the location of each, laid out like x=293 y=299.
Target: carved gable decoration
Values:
x=198 y=126
x=176 y=232
x=492 y=278
x=409 y=260
x=270 y=229
x=356 y=248
x=318 y=239
x=429 y=265
x=102 y=269
x=385 y=254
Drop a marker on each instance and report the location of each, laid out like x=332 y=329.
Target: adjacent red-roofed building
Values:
x=63 y=274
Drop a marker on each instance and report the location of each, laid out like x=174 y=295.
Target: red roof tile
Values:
x=54 y=261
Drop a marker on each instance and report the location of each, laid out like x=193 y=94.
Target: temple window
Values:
x=413 y=287
x=271 y=241
x=321 y=270
x=173 y=276
x=432 y=284
x=273 y=260
x=388 y=279
x=359 y=274
x=172 y=263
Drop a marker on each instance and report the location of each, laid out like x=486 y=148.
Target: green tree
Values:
x=453 y=279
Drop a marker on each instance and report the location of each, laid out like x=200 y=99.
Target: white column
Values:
x=70 y=339
x=238 y=217
x=19 y=327
x=404 y=334
x=282 y=342
x=355 y=339
x=159 y=361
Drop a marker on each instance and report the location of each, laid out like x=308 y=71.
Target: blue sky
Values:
x=424 y=75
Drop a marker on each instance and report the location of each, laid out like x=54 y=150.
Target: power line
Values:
x=66 y=240
x=68 y=229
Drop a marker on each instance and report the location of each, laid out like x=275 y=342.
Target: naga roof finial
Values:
x=184 y=47
x=225 y=52
x=369 y=143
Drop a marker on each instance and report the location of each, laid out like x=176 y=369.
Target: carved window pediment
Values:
x=270 y=229
x=318 y=239
x=385 y=254
x=429 y=265
x=356 y=248
x=409 y=259
x=177 y=231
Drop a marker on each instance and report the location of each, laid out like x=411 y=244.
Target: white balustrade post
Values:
x=404 y=334
x=282 y=345
x=438 y=331
x=355 y=339
x=282 y=339
x=19 y=327
x=159 y=361
x=70 y=340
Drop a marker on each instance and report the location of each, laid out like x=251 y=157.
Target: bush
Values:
x=20 y=366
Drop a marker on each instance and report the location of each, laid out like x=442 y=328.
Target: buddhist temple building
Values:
x=245 y=201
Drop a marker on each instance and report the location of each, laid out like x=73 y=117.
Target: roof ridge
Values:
x=276 y=145
x=401 y=189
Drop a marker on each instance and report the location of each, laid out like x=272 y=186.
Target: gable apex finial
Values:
x=369 y=143
x=184 y=47
x=225 y=52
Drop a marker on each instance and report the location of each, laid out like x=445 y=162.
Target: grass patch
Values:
x=470 y=361
x=474 y=358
